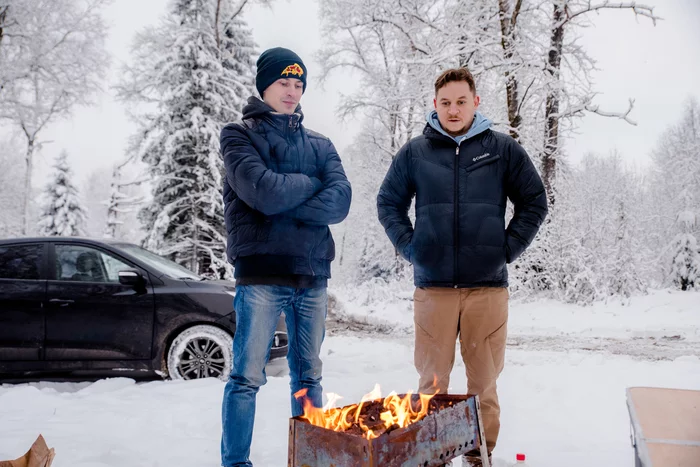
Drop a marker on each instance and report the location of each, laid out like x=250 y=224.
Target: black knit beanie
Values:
x=278 y=63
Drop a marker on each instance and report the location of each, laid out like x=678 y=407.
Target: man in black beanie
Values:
x=284 y=186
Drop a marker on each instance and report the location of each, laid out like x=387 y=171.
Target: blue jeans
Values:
x=258 y=309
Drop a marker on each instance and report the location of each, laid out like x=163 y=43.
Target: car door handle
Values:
x=61 y=301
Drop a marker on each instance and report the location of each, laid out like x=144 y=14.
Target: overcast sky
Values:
x=658 y=66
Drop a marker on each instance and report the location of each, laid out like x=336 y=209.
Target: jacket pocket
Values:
x=423 y=242
x=424 y=232
x=482 y=162
x=492 y=232
x=484 y=181
x=420 y=295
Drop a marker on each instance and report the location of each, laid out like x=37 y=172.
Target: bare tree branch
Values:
x=235 y=14
x=639 y=10
x=404 y=32
x=621 y=115
x=516 y=12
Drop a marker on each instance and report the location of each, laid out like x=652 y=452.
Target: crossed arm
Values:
x=310 y=200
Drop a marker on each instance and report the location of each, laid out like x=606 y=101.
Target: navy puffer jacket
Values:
x=460 y=238
x=284 y=186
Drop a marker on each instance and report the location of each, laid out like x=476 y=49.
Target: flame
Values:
x=398 y=412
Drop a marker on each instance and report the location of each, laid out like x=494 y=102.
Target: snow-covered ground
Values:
x=662 y=313
x=662 y=325
x=561 y=407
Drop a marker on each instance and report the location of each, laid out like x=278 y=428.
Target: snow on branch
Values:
x=639 y=10
x=621 y=115
x=587 y=106
x=414 y=47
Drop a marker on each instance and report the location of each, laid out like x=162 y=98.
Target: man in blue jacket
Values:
x=461 y=174
x=284 y=186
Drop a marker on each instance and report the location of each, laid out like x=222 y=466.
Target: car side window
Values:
x=20 y=261
x=113 y=266
x=82 y=263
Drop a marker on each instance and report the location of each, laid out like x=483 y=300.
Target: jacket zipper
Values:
x=288 y=133
x=456 y=222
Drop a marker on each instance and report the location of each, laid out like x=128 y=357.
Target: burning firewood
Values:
x=413 y=429
x=372 y=417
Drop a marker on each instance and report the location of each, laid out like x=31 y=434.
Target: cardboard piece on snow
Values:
x=39 y=455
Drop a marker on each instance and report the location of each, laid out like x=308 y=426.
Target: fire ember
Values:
x=372 y=417
x=415 y=430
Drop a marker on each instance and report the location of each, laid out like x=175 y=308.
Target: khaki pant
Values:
x=478 y=317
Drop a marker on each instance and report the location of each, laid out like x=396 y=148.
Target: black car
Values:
x=78 y=305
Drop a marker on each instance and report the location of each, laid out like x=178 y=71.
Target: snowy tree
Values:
x=548 y=101
x=608 y=221
x=532 y=74
x=685 y=263
x=121 y=202
x=369 y=40
x=570 y=94
x=593 y=246
x=506 y=52
x=195 y=70
x=3 y=19
x=109 y=193
x=11 y=177
x=63 y=213
x=545 y=74
x=625 y=274
x=389 y=48
x=52 y=59
x=676 y=193
x=365 y=252
x=95 y=190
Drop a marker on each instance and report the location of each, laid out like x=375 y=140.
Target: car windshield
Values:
x=164 y=265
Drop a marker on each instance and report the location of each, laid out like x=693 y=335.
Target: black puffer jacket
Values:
x=284 y=186
x=460 y=238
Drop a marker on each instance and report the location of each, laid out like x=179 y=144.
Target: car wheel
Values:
x=201 y=351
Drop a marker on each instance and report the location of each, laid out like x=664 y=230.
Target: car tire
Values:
x=202 y=351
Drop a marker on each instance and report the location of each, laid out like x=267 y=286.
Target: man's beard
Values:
x=459 y=132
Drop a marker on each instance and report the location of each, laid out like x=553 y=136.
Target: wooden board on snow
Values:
x=665 y=426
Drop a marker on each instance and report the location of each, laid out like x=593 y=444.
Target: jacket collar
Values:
x=479 y=125
x=256 y=109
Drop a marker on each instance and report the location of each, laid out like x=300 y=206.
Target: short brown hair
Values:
x=455 y=74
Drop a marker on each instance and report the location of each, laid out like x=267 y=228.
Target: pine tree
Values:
x=63 y=213
x=685 y=252
x=200 y=73
x=623 y=271
x=120 y=203
x=685 y=269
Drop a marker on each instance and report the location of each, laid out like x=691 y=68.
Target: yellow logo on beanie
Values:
x=295 y=70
